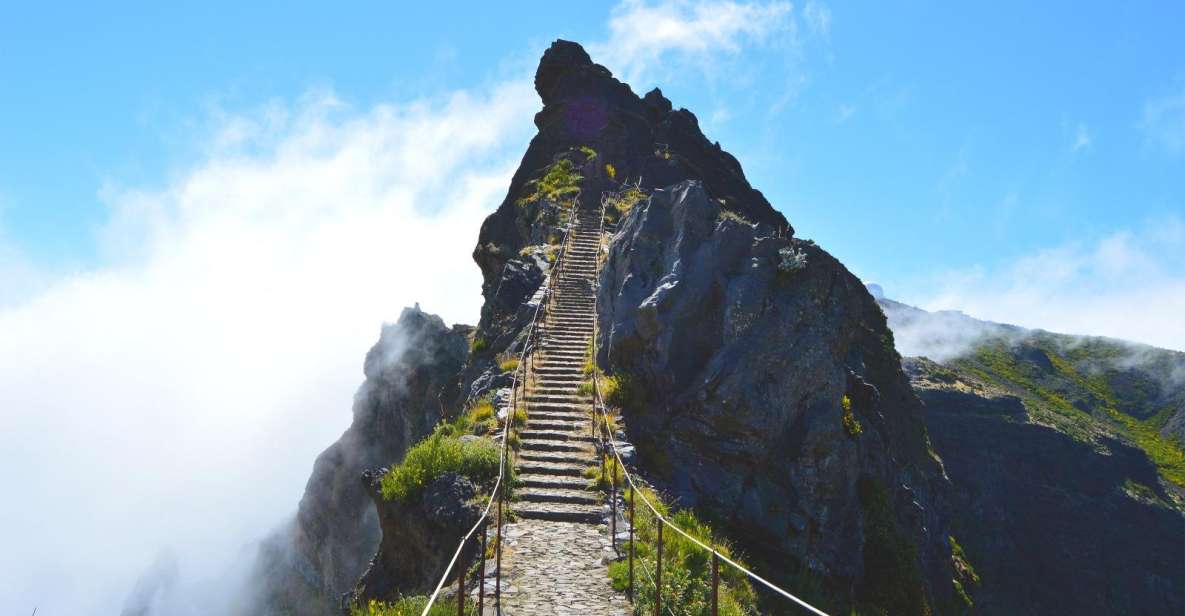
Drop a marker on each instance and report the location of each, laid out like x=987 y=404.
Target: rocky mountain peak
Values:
x=611 y=138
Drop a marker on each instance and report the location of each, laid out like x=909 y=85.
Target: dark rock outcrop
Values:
x=643 y=139
x=419 y=537
x=1050 y=523
x=739 y=346
x=411 y=383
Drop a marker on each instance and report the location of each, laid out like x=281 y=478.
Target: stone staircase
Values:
x=557 y=444
x=558 y=546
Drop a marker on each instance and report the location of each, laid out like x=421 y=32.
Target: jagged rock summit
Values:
x=642 y=141
x=761 y=383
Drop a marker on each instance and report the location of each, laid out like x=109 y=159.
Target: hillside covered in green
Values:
x=1065 y=455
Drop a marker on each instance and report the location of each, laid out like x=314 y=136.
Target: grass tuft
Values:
x=508 y=364
x=410 y=606
x=560 y=179
x=850 y=423
x=442 y=452
x=686 y=572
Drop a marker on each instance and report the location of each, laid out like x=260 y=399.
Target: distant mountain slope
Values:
x=1086 y=387
x=1065 y=455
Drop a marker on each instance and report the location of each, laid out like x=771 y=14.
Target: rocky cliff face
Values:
x=410 y=385
x=639 y=140
x=418 y=538
x=1064 y=461
x=767 y=391
x=762 y=387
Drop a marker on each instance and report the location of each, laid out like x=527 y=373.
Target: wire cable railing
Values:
x=608 y=444
x=521 y=377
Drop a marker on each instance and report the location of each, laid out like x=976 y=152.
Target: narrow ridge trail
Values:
x=554 y=561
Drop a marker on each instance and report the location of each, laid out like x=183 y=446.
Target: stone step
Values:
x=561 y=354
x=559 y=512
x=562 y=390
x=561 y=379
x=554 y=435
x=572 y=368
x=570 y=334
x=568 y=339
x=580 y=419
x=567 y=457
x=553 y=482
x=544 y=445
x=570 y=496
x=559 y=426
x=563 y=374
x=551 y=468
x=545 y=401
x=551 y=344
x=560 y=360
x=572 y=406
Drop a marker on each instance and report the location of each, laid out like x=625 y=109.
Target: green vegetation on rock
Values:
x=850 y=424
x=893 y=582
x=445 y=451
x=617 y=205
x=1068 y=387
x=560 y=179
x=686 y=568
x=436 y=455
x=410 y=606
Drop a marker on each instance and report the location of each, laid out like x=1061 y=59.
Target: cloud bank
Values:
x=166 y=407
x=1128 y=285
x=162 y=410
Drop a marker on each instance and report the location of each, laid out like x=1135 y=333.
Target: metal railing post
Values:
x=613 y=505
x=658 y=570
x=461 y=587
x=715 y=583
x=498 y=555
x=481 y=574
x=633 y=500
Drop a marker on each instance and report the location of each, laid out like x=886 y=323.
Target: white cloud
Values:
x=1164 y=122
x=844 y=113
x=645 y=36
x=19 y=276
x=1082 y=138
x=818 y=17
x=1128 y=285
x=177 y=396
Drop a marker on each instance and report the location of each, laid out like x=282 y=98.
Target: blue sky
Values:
x=958 y=117
x=909 y=139
x=208 y=209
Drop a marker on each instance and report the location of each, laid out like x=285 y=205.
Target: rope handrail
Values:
x=532 y=330
x=600 y=407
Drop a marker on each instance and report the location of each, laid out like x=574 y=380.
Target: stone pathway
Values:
x=556 y=553
x=557 y=568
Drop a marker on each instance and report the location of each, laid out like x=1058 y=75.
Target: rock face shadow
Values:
x=1054 y=525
